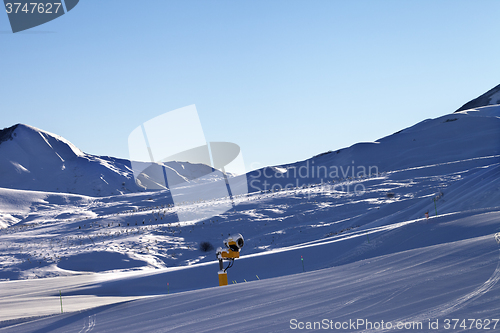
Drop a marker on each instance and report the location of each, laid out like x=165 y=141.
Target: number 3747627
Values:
x=33 y=8
x=470 y=324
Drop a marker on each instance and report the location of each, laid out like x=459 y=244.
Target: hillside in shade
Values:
x=491 y=97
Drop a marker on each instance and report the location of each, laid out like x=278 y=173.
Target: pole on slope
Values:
x=60 y=297
x=302 y=259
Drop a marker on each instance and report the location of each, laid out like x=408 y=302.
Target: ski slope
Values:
x=452 y=275
x=368 y=254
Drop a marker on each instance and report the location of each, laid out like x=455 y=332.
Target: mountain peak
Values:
x=31 y=138
x=6 y=133
x=491 y=97
x=34 y=159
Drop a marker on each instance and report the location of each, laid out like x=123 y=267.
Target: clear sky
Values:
x=285 y=80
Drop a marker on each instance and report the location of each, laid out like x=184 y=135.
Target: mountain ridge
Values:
x=491 y=97
x=34 y=159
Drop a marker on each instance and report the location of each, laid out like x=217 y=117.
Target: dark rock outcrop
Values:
x=490 y=97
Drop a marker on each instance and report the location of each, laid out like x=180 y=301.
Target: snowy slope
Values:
x=53 y=233
x=368 y=253
x=453 y=275
x=491 y=97
x=462 y=136
x=33 y=159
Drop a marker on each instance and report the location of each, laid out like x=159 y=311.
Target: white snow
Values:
x=367 y=256
x=33 y=159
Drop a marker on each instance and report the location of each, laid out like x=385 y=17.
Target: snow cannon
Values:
x=233 y=245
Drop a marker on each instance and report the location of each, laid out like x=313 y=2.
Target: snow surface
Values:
x=369 y=255
x=33 y=159
x=491 y=97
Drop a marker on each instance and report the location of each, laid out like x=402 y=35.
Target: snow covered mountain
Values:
x=491 y=97
x=33 y=159
x=405 y=230
x=466 y=135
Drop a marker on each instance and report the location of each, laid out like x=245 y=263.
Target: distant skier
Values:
x=427 y=215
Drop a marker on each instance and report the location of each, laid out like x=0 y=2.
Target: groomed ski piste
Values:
x=317 y=256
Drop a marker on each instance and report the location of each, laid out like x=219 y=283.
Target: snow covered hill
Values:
x=342 y=236
x=467 y=136
x=33 y=159
x=449 y=269
x=144 y=229
x=491 y=97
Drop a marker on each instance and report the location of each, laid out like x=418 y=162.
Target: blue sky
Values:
x=284 y=80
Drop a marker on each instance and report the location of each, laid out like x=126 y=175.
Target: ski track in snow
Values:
x=451 y=306
x=89 y=326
